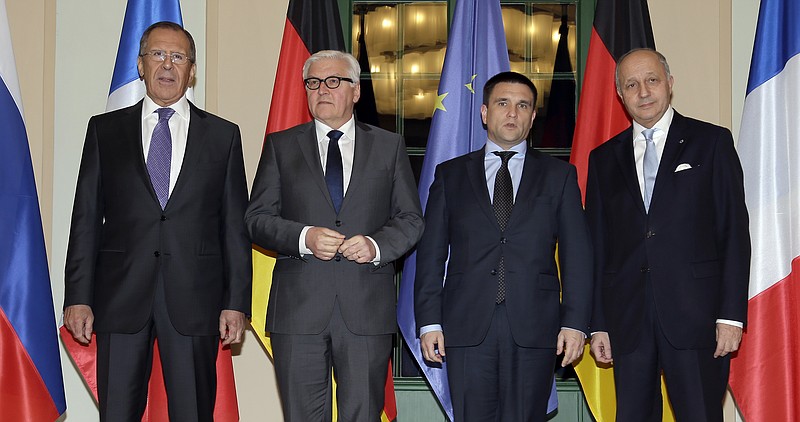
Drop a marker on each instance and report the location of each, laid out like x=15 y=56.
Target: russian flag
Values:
x=765 y=374
x=31 y=386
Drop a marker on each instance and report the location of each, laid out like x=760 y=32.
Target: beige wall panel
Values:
x=244 y=38
x=689 y=34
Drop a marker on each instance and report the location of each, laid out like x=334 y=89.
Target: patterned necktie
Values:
x=650 y=167
x=159 y=156
x=334 y=173
x=503 y=204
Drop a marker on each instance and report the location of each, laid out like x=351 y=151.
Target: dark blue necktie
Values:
x=159 y=156
x=503 y=204
x=334 y=173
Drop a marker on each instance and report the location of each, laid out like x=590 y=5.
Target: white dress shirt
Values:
x=178 y=129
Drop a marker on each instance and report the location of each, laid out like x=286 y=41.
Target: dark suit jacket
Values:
x=459 y=217
x=120 y=238
x=694 y=243
x=289 y=193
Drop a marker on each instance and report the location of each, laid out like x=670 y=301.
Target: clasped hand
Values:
x=326 y=243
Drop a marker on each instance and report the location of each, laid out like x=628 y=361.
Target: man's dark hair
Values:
x=508 y=77
x=192 y=53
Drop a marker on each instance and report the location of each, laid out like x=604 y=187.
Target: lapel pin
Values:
x=681 y=141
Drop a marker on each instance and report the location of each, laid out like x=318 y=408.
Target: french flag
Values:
x=765 y=374
x=126 y=87
x=31 y=386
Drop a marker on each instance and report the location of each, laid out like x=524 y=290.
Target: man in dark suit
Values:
x=499 y=213
x=336 y=200
x=665 y=204
x=157 y=246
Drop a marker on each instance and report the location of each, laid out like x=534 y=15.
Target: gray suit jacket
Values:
x=381 y=201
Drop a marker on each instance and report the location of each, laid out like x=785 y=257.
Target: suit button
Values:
x=650 y=234
x=338 y=223
x=503 y=240
x=156 y=254
x=493 y=272
x=645 y=269
x=337 y=258
x=163 y=218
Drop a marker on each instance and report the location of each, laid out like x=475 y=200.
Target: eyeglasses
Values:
x=332 y=82
x=161 y=55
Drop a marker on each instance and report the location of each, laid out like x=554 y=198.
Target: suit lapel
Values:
x=130 y=130
x=196 y=141
x=672 y=151
x=363 y=145
x=531 y=172
x=307 y=141
x=476 y=173
x=627 y=164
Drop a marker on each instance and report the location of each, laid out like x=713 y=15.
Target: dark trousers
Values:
x=303 y=365
x=188 y=364
x=498 y=380
x=695 y=380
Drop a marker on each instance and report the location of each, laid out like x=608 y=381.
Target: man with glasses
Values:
x=336 y=199
x=157 y=247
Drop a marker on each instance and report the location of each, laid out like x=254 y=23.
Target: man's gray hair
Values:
x=661 y=59
x=353 y=71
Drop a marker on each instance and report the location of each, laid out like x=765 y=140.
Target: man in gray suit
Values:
x=336 y=200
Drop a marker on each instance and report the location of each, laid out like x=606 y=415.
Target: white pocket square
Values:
x=682 y=167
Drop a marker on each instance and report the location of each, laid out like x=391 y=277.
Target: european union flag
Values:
x=476 y=51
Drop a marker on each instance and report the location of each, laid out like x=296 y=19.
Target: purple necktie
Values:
x=160 y=155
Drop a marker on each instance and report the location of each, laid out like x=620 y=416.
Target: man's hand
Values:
x=570 y=342
x=728 y=339
x=601 y=347
x=231 y=326
x=323 y=242
x=79 y=320
x=358 y=248
x=432 y=345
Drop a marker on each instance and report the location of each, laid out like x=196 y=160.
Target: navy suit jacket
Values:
x=289 y=193
x=460 y=220
x=694 y=243
x=120 y=238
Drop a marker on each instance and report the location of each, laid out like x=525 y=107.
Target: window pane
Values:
x=541 y=41
x=404 y=44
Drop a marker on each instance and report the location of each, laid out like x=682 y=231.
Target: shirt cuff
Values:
x=574 y=329
x=731 y=322
x=429 y=328
x=302 y=244
x=377 y=259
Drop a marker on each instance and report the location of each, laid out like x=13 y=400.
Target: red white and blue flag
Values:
x=765 y=373
x=31 y=385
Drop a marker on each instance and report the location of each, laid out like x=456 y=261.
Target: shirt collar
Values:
x=521 y=148
x=662 y=124
x=181 y=107
x=348 y=129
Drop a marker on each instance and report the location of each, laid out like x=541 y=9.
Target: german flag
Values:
x=311 y=26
